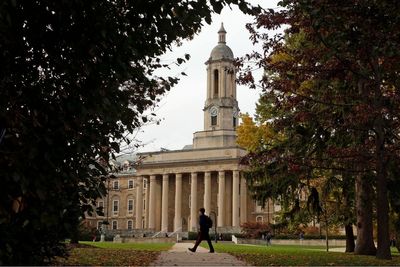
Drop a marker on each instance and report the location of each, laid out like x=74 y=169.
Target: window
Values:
x=130 y=206
x=144 y=204
x=144 y=183
x=99 y=224
x=131 y=184
x=277 y=206
x=234 y=122
x=258 y=206
x=213 y=120
x=100 y=207
x=130 y=225
x=114 y=225
x=115 y=185
x=216 y=83
x=259 y=219
x=115 y=206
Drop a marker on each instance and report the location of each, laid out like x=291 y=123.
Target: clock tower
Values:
x=221 y=107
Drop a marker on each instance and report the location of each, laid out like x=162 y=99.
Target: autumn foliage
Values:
x=331 y=88
x=255 y=229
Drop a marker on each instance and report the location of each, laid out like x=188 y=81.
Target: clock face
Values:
x=214 y=111
x=235 y=112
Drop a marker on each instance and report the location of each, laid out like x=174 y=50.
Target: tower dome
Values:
x=221 y=51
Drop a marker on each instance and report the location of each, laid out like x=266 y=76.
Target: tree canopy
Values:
x=331 y=87
x=75 y=78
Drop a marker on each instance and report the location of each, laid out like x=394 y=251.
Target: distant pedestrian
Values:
x=268 y=237
x=301 y=236
x=205 y=223
x=392 y=241
x=221 y=237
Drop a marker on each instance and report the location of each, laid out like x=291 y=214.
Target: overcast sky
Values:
x=180 y=110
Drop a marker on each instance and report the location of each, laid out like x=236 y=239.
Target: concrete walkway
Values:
x=179 y=255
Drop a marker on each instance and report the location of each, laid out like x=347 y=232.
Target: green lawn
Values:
x=298 y=255
x=141 y=254
x=113 y=254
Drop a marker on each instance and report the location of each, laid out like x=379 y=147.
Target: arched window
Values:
x=130 y=225
x=216 y=83
x=259 y=219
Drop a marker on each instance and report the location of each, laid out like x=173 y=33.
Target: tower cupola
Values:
x=221 y=107
x=221 y=50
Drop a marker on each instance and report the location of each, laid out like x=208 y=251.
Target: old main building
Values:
x=167 y=188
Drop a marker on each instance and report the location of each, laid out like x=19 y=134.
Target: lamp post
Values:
x=215 y=226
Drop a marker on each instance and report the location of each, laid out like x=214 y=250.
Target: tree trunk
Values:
x=348 y=201
x=365 y=241
x=382 y=201
x=326 y=229
x=75 y=237
x=350 y=244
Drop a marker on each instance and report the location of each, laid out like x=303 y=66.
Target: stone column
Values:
x=139 y=202
x=207 y=192
x=235 y=198
x=221 y=198
x=193 y=202
x=178 y=202
x=147 y=200
x=152 y=202
x=243 y=200
x=209 y=89
x=164 y=204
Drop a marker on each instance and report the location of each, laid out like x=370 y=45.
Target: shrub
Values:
x=255 y=229
x=86 y=233
x=192 y=235
x=311 y=230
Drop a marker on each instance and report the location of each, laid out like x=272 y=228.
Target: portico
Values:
x=187 y=185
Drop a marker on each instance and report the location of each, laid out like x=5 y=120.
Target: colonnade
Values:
x=238 y=200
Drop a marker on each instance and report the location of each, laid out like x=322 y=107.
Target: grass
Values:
x=113 y=254
x=299 y=256
x=142 y=254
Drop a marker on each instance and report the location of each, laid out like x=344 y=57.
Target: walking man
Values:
x=205 y=223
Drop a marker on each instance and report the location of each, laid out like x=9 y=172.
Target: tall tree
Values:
x=341 y=79
x=75 y=77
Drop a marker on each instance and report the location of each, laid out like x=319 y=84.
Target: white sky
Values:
x=181 y=110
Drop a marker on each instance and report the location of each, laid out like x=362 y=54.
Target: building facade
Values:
x=167 y=188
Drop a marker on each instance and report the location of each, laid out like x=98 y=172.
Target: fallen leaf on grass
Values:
x=108 y=257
